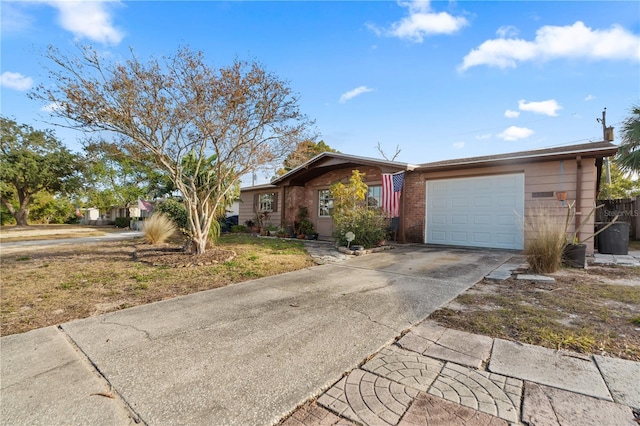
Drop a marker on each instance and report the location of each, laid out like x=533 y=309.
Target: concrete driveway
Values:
x=238 y=355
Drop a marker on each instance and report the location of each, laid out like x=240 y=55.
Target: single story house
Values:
x=473 y=202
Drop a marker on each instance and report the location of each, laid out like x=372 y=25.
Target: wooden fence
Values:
x=628 y=210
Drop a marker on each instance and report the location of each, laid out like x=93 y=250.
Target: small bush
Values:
x=175 y=210
x=122 y=222
x=158 y=228
x=545 y=242
x=238 y=228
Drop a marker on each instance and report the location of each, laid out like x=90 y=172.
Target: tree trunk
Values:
x=21 y=216
x=199 y=245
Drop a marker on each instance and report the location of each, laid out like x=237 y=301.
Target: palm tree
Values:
x=628 y=156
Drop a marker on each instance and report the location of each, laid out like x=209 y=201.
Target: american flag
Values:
x=391 y=190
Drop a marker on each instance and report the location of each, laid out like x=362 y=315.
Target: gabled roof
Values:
x=586 y=150
x=327 y=161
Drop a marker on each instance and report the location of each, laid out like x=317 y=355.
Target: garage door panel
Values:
x=481 y=238
x=481 y=184
x=481 y=212
x=459 y=219
x=439 y=219
x=507 y=220
x=506 y=201
x=439 y=237
x=506 y=239
x=459 y=237
x=479 y=202
x=482 y=219
x=459 y=203
x=440 y=202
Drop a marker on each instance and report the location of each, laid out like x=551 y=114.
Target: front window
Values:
x=325 y=203
x=374 y=197
x=266 y=202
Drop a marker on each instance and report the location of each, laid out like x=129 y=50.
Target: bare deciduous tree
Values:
x=382 y=153
x=206 y=127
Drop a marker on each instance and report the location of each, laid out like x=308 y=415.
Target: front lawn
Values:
x=42 y=288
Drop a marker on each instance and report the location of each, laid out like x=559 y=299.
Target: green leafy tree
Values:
x=628 y=156
x=350 y=213
x=32 y=161
x=230 y=121
x=622 y=186
x=117 y=180
x=47 y=208
x=304 y=152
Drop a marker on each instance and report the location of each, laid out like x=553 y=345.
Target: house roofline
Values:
x=593 y=149
x=347 y=157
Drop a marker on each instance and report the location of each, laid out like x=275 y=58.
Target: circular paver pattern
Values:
x=369 y=399
x=405 y=367
x=483 y=391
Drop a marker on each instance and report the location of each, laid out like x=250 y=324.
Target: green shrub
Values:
x=175 y=210
x=238 y=228
x=158 y=228
x=351 y=214
x=122 y=222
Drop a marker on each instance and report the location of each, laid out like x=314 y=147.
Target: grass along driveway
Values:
x=47 y=288
x=596 y=310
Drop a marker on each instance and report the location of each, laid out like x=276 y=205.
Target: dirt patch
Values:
x=596 y=310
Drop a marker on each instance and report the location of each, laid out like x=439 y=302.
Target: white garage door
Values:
x=476 y=212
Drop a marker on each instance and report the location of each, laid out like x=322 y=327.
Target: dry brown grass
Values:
x=158 y=228
x=590 y=311
x=47 y=288
x=545 y=240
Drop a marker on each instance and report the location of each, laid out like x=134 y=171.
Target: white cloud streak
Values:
x=575 y=41
x=89 y=19
x=511 y=114
x=549 y=107
x=421 y=22
x=514 y=133
x=16 y=81
x=458 y=145
x=353 y=93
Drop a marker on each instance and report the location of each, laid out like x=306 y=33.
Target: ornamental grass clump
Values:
x=545 y=242
x=158 y=228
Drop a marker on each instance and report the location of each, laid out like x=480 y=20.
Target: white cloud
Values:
x=507 y=31
x=514 y=133
x=421 y=22
x=589 y=97
x=353 y=93
x=511 y=114
x=483 y=137
x=575 y=41
x=458 y=145
x=549 y=107
x=89 y=19
x=15 y=80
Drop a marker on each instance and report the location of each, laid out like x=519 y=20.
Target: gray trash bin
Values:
x=614 y=239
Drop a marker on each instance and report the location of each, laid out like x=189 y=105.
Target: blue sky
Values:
x=440 y=80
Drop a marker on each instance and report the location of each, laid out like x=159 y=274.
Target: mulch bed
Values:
x=173 y=256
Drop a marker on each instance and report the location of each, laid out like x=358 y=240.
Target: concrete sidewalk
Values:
x=438 y=376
